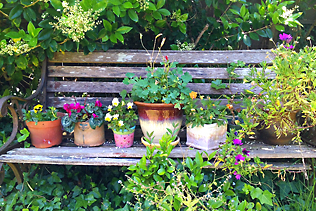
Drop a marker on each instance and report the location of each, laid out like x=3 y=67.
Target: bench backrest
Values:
x=100 y=74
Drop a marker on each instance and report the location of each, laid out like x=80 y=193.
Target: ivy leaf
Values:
x=217 y=84
x=81 y=202
x=266 y=198
x=25 y=133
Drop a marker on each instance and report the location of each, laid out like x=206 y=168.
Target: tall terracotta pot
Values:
x=85 y=136
x=45 y=134
x=157 y=117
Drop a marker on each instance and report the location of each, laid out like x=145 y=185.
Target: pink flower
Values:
x=238 y=158
x=237 y=141
x=98 y=103
x=285 y=37
x=68 y=108
x=95 y=116
x=78 y=107
x=237 y=176
x=289 y=47
x=245 y=152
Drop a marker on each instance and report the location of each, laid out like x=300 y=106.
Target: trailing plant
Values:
x=91 y=112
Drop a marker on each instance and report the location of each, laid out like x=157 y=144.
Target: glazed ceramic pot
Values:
x=157 y=118
x=124 y=139
x=45 y=134
x=84 y=135
x=206 y=137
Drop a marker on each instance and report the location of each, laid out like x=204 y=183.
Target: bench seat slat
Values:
x=117 y=87
x=183 y=57
x=120 y=72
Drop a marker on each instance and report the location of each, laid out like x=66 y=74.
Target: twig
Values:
x=4 y=14
x=201 y=33
x=31 y=4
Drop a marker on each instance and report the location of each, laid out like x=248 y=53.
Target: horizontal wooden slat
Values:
x=59 y=102
x=183 y=57
x=120 y=72
x=117 y=87
x=263 y=151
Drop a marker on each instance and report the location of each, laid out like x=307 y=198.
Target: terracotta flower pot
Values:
x=46 y=133
x=124 y=139
x=157 y=117
x=84 y=135
x=206 y=137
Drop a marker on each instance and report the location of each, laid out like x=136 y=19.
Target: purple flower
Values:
x=289 y=47
x=237 y=176
x=245 y=152
x=237 y=141
x=238 y=158
x=235 y=133
x=285 y=37
x=94 y=115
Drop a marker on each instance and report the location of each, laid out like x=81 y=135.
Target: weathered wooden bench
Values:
x=100 y=74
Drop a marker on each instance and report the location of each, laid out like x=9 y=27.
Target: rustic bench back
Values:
x=100 y=74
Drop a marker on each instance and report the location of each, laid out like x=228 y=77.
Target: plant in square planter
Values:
x=45 y=127
x=206 y=122
x=86 y=121
x=281 y=98
x=121 y=119
x=158 y=96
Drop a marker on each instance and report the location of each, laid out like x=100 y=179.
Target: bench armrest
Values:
x=15 y=105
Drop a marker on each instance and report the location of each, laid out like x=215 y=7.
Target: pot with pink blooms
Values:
x=86 y=121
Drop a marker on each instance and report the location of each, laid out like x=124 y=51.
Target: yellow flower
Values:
x=37 y=108
x=192 y=109
x=201 y=108
x=211 y=117
x=201 y=97
x=193 y=94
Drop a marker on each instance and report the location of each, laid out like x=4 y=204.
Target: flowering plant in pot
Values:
x=206 y=122
x=161 y=91
x=289 y=93
x=44 y=126
x=86 y=121
x=121 y=118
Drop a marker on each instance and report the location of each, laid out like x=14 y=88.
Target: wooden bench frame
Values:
x=104 y=65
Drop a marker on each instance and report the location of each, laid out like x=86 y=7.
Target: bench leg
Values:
x=16 y=170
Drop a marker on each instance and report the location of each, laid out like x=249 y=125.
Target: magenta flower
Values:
x=245 y=152
x=78 y=107
x=98 y=103
x=237 y=176
x=285 y=37
x=289 y=47
x=238 y=158
x=68 y=108
x=95 y=116
x=237 y=141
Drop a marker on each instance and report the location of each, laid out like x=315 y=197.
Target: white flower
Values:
x=65 y=4
x=129 y=105
x=108 y=117
x=121 y=123
x=110 y=108
x=115 y=102
x=116 y=116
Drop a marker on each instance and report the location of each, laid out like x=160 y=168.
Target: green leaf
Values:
x=243 y=11
x=92 y=46
x=45 y=34
x=160 y=3
x=57 y=4
x=157 y=15
x=161 y=171
x=116 y=11
x=189 y=163
x=266 y=198
x=164 y=12
x=256 y=193
x=30 y=13
x=269 y=33
x=127 y=5
x=275 y=17
x=161 y=23
x=45 y=24
x=110 y=15
x=234 y=11
x=21 y=62
x=16 y=12
x=279 y=28
x=217 y=84
x=1 y=5
x=246 y=39
x=107 y=25
x=31 y=29
x=262 y=33
x=13 y=35
x=115 y=2
x=124 y=29
x=133 y=15
x=113 y=38
x=25 y=133
x=254 y=36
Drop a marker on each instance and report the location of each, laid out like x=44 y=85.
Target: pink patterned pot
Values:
x=157 y=118
x=124 y=139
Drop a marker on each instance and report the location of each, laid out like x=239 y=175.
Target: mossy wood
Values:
x=100 y=74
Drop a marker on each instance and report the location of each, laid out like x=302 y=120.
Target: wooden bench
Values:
x=100 y=74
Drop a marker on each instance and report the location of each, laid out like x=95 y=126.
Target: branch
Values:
x=4 y=14
x=31 y=4
x=201 y=33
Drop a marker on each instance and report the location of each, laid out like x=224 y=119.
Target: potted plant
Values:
x=121 y=119
x=289 y=93
x=206 y=122
x=45 y=127
x=158 y=96
x=86 y=121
